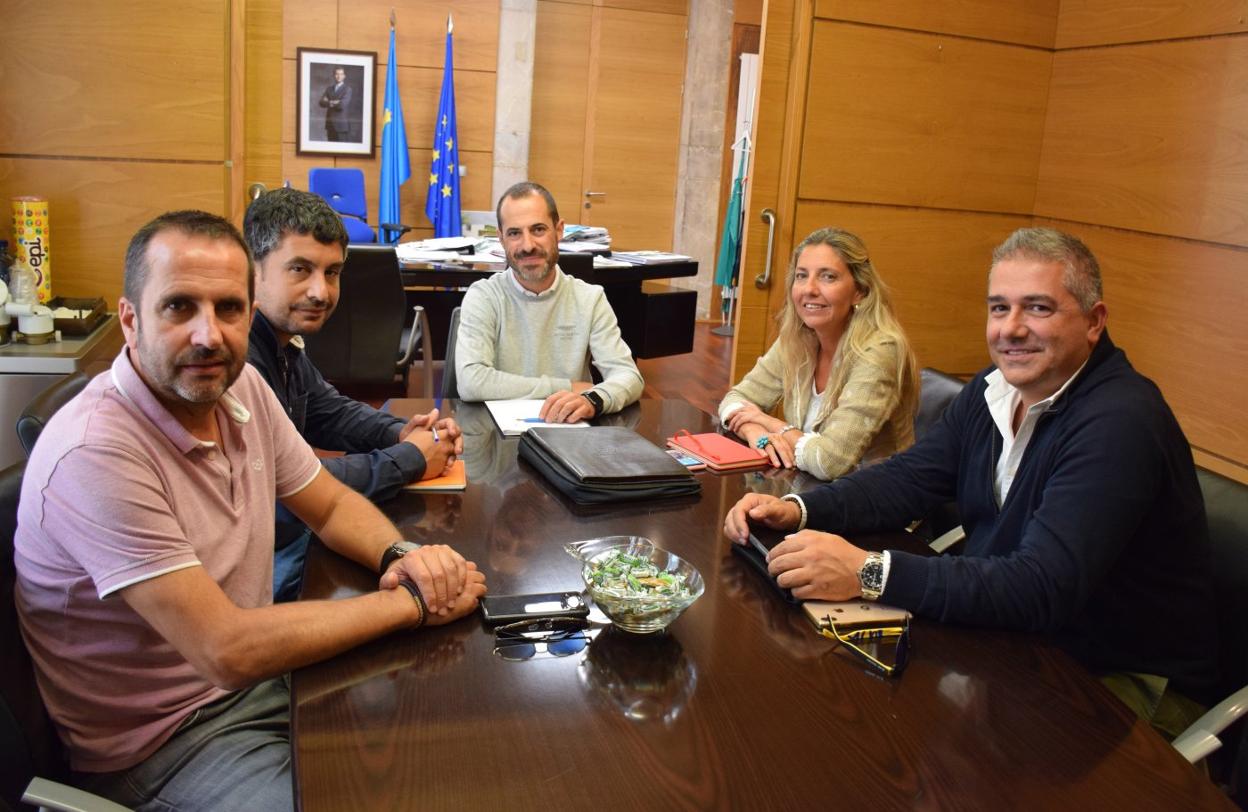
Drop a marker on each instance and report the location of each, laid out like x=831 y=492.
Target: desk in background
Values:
x=28 y=369
x=653 y=323
x=739 y=705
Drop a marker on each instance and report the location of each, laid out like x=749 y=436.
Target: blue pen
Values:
x=435 y=433
x=532 y=420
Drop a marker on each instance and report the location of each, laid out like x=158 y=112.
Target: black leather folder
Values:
x=605 y=464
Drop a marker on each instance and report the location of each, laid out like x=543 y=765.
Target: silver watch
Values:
x=396 y=551
x=871 y=576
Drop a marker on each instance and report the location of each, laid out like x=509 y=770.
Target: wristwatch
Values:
x=396 y=551
x=871 y=576
x=594 y=399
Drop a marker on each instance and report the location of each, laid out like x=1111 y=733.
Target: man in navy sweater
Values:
x=1075 y=485
x=300 y=247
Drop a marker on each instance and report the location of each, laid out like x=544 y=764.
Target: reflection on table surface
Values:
x=738 y=705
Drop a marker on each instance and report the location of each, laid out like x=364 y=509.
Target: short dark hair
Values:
x=523 y=189
x=190 y=222
x=279 y=212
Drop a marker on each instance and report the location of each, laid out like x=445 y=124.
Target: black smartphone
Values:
x=511 y=608
x=754 y=552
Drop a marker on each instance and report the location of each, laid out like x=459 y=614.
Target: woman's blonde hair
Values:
x=871 y=319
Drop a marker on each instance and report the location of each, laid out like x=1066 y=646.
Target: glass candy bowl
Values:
x=641 y=587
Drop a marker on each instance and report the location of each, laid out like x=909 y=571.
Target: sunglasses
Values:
x=851 y=639
x=558 y=637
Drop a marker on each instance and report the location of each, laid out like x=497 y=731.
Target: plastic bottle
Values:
x=23 y=285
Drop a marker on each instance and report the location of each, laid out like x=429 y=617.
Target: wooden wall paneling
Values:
x=96 y=206
x=314 y=24
x=636 y=133
x=771 y=107
x=1102 y=22
x=679 y=7
x=263 y=116
x=936 y=264
x=1176 y=307
x=235 y=201
x=420 y=33
x=114 y=79
x=1150 y=137
x=923 y=119
x=747 y=12
x=561 y=66
x=1024 y=22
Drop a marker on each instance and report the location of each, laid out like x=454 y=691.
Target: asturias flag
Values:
x=395 y=166
x=442 y=202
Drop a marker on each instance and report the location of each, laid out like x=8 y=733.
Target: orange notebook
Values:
x=720 y=453
x=456 y=480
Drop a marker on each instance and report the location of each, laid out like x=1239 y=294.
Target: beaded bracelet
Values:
x=420 y=601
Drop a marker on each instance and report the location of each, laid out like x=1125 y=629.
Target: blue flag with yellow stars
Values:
x=396 y=167
x=442 y=202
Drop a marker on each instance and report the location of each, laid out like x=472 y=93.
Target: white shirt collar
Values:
x=1002 y=398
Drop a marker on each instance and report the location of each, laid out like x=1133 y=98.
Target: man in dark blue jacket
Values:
x=1075 y=485
x=300 y=245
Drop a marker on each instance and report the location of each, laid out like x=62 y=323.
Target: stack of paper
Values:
x=584 y=247
x=648 y=257
x=515 y=417
x=579 y=233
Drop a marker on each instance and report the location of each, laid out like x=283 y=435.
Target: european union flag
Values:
x=396 y=168
x=442 y=201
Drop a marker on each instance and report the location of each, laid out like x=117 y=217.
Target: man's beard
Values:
x=534 y=277
x=164 y=373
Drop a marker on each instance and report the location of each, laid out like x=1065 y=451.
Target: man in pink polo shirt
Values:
x=144 y=548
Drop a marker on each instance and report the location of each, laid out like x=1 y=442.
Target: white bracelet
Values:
x=792 y=497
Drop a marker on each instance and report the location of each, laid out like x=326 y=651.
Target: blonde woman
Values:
x=841 y=366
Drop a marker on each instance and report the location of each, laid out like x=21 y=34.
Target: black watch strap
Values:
x=396 y=551
x=594 y=399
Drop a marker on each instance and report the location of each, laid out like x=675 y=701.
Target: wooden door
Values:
x=607 y=91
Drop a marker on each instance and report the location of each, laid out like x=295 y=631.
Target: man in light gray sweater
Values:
x=531 y=331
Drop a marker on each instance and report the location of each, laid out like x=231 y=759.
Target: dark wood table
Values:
x=653 y=323
x=739 y=705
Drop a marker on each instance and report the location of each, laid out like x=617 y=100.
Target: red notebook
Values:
x=720 y=453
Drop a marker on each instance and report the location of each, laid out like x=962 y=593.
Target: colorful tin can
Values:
x=30 y=235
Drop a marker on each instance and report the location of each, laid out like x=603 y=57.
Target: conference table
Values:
x=738 y=705
x=653 y=322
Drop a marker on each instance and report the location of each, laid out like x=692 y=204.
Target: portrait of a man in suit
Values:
x=336 y=101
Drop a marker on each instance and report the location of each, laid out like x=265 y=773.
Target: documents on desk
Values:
x=451 y=250
x=649 y=257
x=515 y=417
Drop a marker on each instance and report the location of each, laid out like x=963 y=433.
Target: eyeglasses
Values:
x=850 y=640
x=558 y=637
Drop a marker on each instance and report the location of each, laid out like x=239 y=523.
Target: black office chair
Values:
x=29 y=746
x=1226 y=505
x=937 y=391
x=40 y=410
x=942 y=527
x=364 y=340
x=449 y=387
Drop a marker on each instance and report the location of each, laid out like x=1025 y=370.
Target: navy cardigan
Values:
x=1101 y=540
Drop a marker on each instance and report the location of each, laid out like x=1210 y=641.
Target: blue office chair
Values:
x=344 y=190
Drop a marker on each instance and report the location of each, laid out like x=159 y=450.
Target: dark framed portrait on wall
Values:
x=335 y=107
